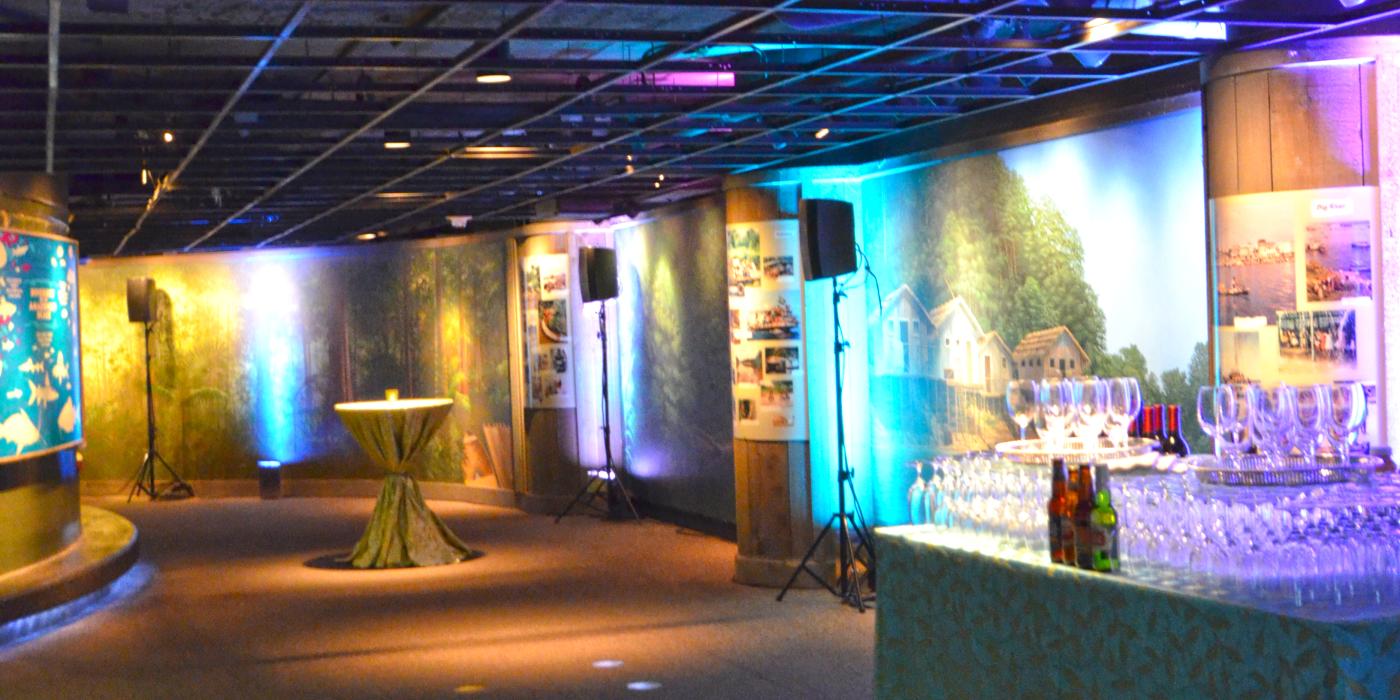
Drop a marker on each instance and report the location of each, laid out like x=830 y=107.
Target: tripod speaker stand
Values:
x=140 y=308
x=829 y=251
x=606 y=479
x=853 y=541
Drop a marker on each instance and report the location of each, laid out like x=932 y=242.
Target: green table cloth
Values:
x=957 y=621
x=402 y=531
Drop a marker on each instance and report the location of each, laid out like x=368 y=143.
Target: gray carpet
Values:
x=241 y=604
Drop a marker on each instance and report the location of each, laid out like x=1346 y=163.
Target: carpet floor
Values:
x=239 y=604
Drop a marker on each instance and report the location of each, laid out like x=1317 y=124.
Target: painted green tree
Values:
x=1016 y=261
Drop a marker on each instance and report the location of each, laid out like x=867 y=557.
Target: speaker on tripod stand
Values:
x=829 y=251
x=141 y=308
x=597 y=271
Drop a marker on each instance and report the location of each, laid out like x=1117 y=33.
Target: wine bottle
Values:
x=1083 y=519
x=1055 y=510
x=1159 y=425
x=1173 y=441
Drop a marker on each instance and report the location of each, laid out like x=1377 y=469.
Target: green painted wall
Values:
x=254 y=348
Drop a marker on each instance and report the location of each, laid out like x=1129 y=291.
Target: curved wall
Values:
x=38 y=496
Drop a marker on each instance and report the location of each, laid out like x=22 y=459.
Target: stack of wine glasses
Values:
x=1285 y=424
x=1331 y=549
x=1083 y=408
x=982 y=498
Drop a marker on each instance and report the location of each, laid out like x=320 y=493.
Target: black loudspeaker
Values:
x=597 y=273
x=140 y=297
x=828 y=238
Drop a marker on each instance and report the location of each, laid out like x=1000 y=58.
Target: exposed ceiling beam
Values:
x=477 y=51
x=169 y=181
x=724 y=29
x=921 y=31
x=809 y=121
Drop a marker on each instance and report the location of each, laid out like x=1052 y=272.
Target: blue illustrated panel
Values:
x=40 y=395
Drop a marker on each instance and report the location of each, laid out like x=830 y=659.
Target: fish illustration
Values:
x=41 y=394
x=60 y=368
x=7 y=308
x=14 y=394
x=68 y=417
x=19 y=431
x=31 y=366
x=7 y=345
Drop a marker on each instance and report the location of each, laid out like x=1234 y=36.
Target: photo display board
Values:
x=765 y=331
x=547 y=327
x=40 y=381
x=1298 y=276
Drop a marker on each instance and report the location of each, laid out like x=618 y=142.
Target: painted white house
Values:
x=998 y=365
x=957 y=340
x=907 y=347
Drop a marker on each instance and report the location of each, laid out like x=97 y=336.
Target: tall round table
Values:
x=402 y=531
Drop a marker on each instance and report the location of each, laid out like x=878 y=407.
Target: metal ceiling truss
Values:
x=281 y=127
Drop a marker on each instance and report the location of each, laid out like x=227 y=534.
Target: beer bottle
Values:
x=1067 y=515
x=1103 y=523
x=1083 y=511
x=1056 y=510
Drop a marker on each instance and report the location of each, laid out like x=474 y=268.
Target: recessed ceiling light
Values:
x=822 y=132
x=495 y=152
x=168 y=136
x=367 y=236
x=396 y=145
x=492 y=78
x=397 y=140
x=661 y=177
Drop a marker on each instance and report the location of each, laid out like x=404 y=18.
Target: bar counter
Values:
x=960 y=618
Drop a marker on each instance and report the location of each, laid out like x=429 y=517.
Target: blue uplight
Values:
x=278 y=363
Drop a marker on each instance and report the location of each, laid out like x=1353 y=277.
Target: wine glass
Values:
x=1233 y=423
x=1214 y=411
x=1309 y=423
x=1091 y=408
x=1056 y=406
x=1021 y=403
x=1345 y=416
x=1271 y=416
x=1124 y=403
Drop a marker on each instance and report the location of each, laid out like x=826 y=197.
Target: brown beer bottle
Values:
x=1056 y=510
x=1083 y=519
x=1067 y=516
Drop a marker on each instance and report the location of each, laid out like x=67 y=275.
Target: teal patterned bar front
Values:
x=959 y=621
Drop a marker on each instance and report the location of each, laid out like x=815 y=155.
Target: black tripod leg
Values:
x=801 y=567
x=623 y=492
x=587 y=485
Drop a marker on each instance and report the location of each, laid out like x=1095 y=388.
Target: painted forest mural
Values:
x=253 y=350
x=1010 y=264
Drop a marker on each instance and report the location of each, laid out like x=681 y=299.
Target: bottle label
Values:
x=1103 y=545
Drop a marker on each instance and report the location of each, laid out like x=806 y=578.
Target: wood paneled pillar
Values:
x=1303 y=118
x=772 y=478
x=549 y=473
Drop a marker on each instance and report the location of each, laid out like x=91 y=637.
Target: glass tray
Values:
x=1137 y=452
x=1257 y=470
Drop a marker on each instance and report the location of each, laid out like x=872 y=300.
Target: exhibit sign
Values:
x=40 y=381
x=1297 y=288
x=765 y=330
x=548 y=360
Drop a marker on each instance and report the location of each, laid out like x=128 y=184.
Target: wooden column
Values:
x=772 y=479
x=549 y=473
x=1309 y=116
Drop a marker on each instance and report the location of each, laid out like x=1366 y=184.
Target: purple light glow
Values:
x=717 y=79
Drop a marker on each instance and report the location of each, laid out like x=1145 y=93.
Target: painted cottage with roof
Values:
x=1049 y=353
